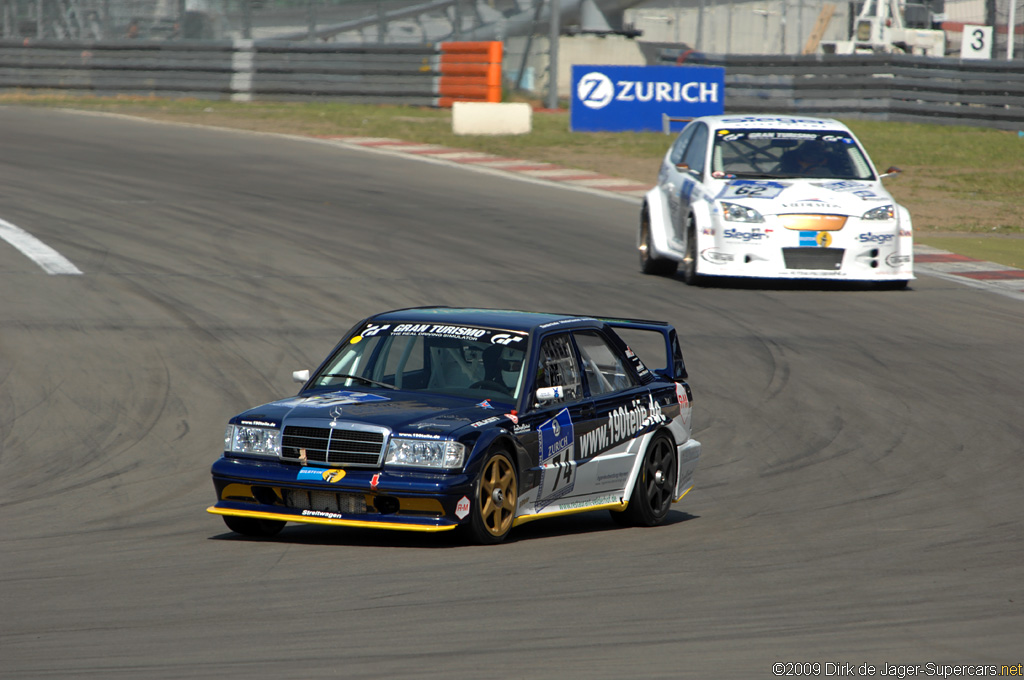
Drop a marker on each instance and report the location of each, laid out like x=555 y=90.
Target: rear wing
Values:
x=666 y=361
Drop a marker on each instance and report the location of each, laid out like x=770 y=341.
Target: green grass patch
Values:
x=1006 y=250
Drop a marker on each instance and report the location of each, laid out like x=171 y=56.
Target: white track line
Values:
x=46 y=257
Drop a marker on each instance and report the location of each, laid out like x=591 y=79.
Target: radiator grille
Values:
x=830 y=259
x=324 y=501
x=334 y=446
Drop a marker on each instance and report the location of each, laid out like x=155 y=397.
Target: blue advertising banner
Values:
x=637 y=98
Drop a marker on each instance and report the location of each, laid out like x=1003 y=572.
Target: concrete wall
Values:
x=583 y=49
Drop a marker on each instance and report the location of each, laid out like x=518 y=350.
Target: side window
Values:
x=696 y=151
x=605 y=370
x=557 y=370
x=680 y=144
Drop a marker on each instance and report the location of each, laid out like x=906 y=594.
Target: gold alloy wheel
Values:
x=498 y=495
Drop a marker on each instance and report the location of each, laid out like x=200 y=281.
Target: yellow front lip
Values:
x=813 y=222
x=364 y=524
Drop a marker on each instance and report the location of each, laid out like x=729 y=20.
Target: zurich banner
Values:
x=642 y=98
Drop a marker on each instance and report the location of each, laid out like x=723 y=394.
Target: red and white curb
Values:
x=927 y=260
x=583 y=180
x=998 y=278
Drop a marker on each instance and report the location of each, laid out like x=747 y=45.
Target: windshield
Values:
x=476 y=363
x=788 y=153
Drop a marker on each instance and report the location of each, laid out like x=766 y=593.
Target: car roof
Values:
x=760 y=122
x=505 y=319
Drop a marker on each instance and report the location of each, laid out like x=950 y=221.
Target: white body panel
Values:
x=607 y=480
x=811 y=227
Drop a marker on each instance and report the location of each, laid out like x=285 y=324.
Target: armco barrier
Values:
x=428 y=74
x=893 y=87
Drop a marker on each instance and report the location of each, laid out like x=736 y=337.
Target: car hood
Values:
x=817 y=196
x=402 y=412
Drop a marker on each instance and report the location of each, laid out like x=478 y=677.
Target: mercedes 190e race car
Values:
x=773 y=197
x=432 y=419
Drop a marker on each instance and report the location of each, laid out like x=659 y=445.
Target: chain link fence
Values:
x=347 y=21
x=709 y=26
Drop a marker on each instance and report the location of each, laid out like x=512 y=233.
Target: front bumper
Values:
x=842 y=262
x=402 y=500
x=809 y=247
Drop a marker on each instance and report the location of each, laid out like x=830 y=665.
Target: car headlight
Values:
x=884 y=212
x=253 y=441
x=439 y=454
x=734 y=212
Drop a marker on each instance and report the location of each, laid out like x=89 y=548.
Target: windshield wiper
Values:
x=358 y=377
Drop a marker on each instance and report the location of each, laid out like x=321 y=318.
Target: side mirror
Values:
x=301 y=376
x=891 y=172
x=683 y=167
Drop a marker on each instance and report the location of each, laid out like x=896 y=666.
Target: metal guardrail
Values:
x=429 y=74
x=893 y=87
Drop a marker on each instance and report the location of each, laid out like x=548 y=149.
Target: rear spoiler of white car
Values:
x=674 y=367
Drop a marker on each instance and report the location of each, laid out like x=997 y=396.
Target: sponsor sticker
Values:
x=259 y=423
x=332 y=475
x=754 y=235
x=439 y=330
x=462 y=508
x=556 y=444
x=812 y=239
x=849 y=187
x=339 y=398
x=715 y=256
x=880 y=239
x=625 y=422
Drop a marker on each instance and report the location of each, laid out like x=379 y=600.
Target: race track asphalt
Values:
x=859 y=498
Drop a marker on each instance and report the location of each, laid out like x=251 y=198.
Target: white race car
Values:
x=773 y=197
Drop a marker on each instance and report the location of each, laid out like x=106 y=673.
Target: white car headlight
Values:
x=253 y=441
x=441 y=453
x=734 y=212
x=884 y=212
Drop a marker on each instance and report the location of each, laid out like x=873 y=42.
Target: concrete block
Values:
x=486 y=118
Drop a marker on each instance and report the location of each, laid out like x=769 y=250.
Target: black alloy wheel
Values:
x=655 y=485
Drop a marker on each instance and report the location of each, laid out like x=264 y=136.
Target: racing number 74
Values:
x=558 y=475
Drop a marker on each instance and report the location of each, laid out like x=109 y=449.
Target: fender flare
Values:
x=658 y=215
x=702 y=219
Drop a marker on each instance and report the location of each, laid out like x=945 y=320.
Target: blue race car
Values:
x=433 y=419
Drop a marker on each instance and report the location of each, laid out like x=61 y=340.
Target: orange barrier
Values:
x=470 y=72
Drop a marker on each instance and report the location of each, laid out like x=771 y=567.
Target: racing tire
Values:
x=655 y=485
x=690 y=275
x=251 y=526
x=495 y=496
x=649 y=264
